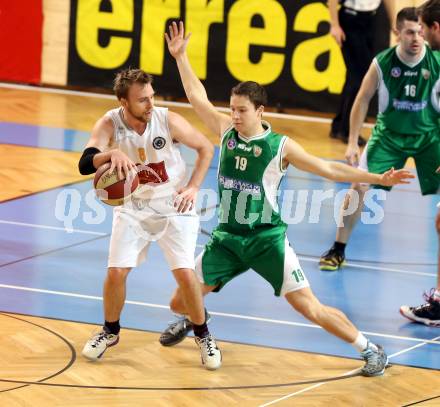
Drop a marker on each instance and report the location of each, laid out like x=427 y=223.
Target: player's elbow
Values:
x=85 y=164
x=330 y=171
x=197 y=96
x=85 y=171
x=206 y=151
x=333 y=177
x=209 y=150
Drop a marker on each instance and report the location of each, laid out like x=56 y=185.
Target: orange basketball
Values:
x=112 y=190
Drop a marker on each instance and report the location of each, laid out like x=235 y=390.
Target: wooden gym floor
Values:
x=51 y=281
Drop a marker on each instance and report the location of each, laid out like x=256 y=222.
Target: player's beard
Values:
x=143 y=118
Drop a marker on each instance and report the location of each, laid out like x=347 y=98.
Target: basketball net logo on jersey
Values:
x=148 y=217
x=152 y=225
x=152 y=173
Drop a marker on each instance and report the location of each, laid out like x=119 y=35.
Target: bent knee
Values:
x=117 y=274
x=184 y=276
x=437 y=222
x=356 y=193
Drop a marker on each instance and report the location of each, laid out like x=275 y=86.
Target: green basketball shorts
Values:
x=386 y=149
x=266 y=251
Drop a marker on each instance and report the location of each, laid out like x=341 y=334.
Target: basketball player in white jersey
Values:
x=140 y=137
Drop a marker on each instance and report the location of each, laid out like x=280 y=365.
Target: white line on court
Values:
x=32 y=225
x=303 y=258
x=220 y=314
x=363 y=266
x=185 y=105
x=345 y=374
x=164 y=103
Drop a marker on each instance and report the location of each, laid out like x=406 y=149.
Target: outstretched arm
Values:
x=294 y=154
x=195 y=91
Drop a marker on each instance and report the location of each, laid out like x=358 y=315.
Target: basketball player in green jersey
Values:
x=407 y=79
x=429 y=312
x=251 y=234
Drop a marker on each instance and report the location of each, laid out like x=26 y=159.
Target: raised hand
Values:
x=393 y=177
x=176 y=40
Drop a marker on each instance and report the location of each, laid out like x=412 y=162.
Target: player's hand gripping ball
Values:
x=111 y=189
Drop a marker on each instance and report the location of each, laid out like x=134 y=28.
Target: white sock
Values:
x=361 y=343
x=437 y=295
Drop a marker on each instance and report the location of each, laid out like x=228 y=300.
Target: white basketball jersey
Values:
x=162 y=167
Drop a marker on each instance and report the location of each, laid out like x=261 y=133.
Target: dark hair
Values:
x=254 y=91
x=429 y=12
x=406 y=14
x=124 y=79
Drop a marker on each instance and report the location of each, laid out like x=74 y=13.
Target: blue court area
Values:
x=53 y=257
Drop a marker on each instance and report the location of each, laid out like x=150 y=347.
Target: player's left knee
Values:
x=184 y=277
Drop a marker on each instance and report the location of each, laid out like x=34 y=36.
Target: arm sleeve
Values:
x=85 y=164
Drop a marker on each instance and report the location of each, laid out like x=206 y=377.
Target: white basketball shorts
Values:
x=135 y=228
